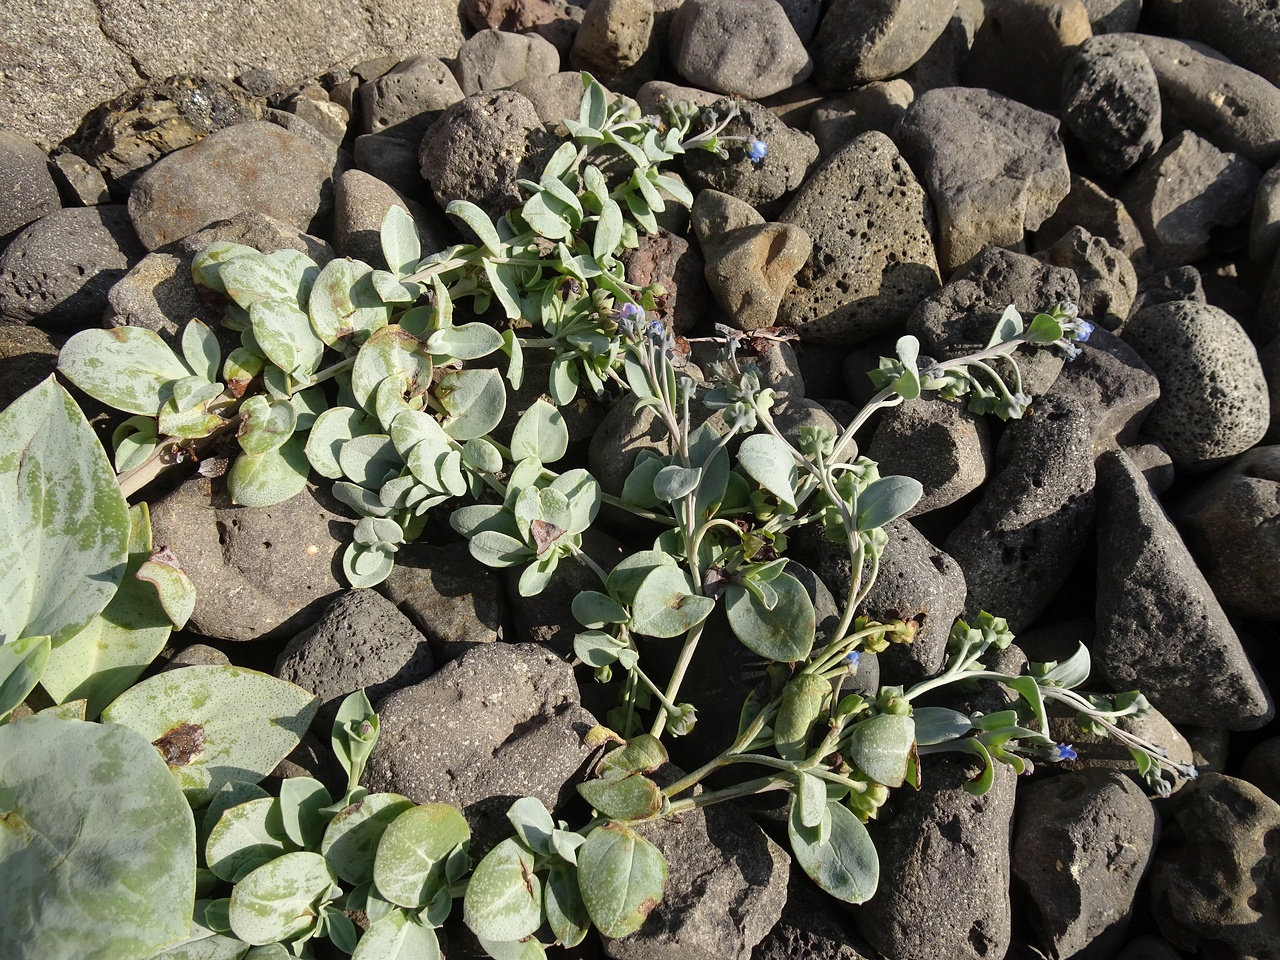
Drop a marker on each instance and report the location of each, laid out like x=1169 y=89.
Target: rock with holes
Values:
x=858 y=42
x=406 y=100
x=57 y=272
x=616 y=44
x=502 y=721
x=1247 y=31
x=944 y=868
x=1233 y=108
x=812 y=926
x=1079 y=850
x=994 y=168
x=1160 y=628
x=1115 y=387
x=27 y=356
x=1111 y=103
x=1232 y=523
x=1091 y=208
x=1018 y=546
x=726 y=887
x=1108 y=281
x=872 y=106
x=1184 y=191
x=1215 y=886
x=1214 y=402
x=259 y=572
x=360 y=641
x=873 y=258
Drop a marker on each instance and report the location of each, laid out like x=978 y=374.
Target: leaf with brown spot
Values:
x=181 y=745
x=544 y=534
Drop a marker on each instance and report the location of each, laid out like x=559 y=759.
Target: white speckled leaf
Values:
x=504 y=895
x=248 y=722
x=98 y=846
x=279 y=901
x=64 y=526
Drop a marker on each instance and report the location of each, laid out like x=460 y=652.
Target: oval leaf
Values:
x=129 y=368
x=280 y=900
x=846 y=865
x=784 y=633
x=668 y=604
x=410 y=865
x=264 y=479
x=504 y=895
x=621 y=877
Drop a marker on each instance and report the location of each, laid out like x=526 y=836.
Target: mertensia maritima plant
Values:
x=374 y=380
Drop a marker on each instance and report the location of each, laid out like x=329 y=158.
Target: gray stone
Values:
x=1113 y=16
x=555 y=97
x=940 y=443
x=726 y=887
x=1233 y=108
x=1216 y=886
x=742 y=47
x=259 y=572
x=1232 y=524
x=1081 y=844
x=811 y=927
x=450 y=596
x=51 y=47
x=158 y=294
x=1168 y=286
x=27 y=191
x=1247 y=31
x=1149 y=946
x=872 y=106
x=1021 y=47
x=1108 y=281
x=480 y=146
x=27 y=356
x=616 y=44
x=361 y=202
x=360 y=641
x=1111 y=102
x=1087 y=205
x=959 y=318
x=127 y=134
x=1115 y=387
x=946 y=62
x=993 y=167
x=873 y=257
x=326 y=116
x=1185 y=190
x=860 y=42
x=791 y=155
x=1018 y=546
x=259 y=231
x=57 y=271
x=406 y=100
x=1214 y=402
x=1264 y=228
x=916 y=582
x=501 y=722
x=1159 y=627
x=654 y=94
x=249 y=166
x=79 y=181
x=197 y=655
x=944 y=868
x=494 y=59
x=668 y=260
x=394 y=162
x=1261 y=767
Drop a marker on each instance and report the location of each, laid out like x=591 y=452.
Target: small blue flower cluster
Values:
x=1062 y=752
x=630 y=318
x=757 y=150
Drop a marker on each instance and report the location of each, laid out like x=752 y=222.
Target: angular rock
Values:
x=668 y=259
x=454 y=599
x=1087 y=205
x=944 y=868
x=158 y=294
x=501 y=722
x=873 y=258
x=27 y=191
x=250 y=166
x=939 y=443
x=361 y=203
x=1113 y=16
x=1264 y=228
x=1261 y=767
x=360 y=641
x=517 y=16
x=27 y=356
x=959 y=318
x=1233 y=108
x=1185 y=190
x=812 y=927
x=494 y=59
x=790 y=157
x=1115 y=387
x=56 y=273
x=1018 y=546
x=480 y=146
x=259 y=572
x=1160 y=628
x=127 y=134
x=80 y=183
x=1247 y=31
x=993 y=167
x=1232 y=524
x=405 y=101
x=742 y=47
x=860 y=42
x=1111 y=102
x=1080 y=849
x=945 y=62
x=1214 y=401
x=1022 y=45
x=394 y=162
x=1108 y=282
x=615 y=44
x=555 y=97
x=326 y=116
x=1216 y=888
x=872 y=106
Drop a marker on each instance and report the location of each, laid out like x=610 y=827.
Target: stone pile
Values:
x=929 y=162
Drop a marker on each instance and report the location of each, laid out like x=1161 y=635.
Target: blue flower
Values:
x=851 y=661
x=1062 y=752
x=630 y=312
x=1084 y=329
x=757 y=150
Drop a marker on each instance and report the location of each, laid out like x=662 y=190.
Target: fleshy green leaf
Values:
x=401 y=246
x=98 y=845
x=566 y=913
x=344 y=304
x=479 y=222
x=302 y=801
x=881 y=747
x=504 y=896
x=215 y=724
x=278 y=900
x=264 y=479
x=65 y=522
x=410 y=865
x=767 y=461
x=633 y=798
x=667 y=603
x=332 y=429
x=621 y=877
x=391 y=351
x=129 y=368
x=887 y=499
x=784 y=633
x=468 y=341
x=200 y=350
x=284 y=333
x=21 y=664
x=1008 y=327
x=398 y=936
x=846 y=865
x=475 y=400
x=245 y=837
x=540 y=434
x=267 y=424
